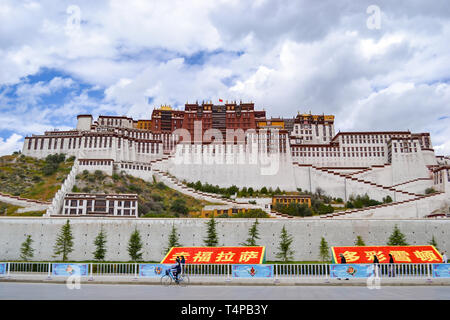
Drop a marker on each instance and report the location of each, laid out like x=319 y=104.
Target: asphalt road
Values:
x=47 y=291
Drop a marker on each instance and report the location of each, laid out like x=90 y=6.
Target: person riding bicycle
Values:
x=183 y=263
x=176 y=269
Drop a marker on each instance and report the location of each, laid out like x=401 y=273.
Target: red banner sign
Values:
x=217 y=255
x=401 y=254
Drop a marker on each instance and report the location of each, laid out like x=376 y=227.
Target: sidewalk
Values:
x=223 y=281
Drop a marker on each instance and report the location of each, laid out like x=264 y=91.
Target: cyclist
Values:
x=176 y=269
x=183 y=263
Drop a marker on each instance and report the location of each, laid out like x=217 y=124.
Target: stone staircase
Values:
x=26 y=204
x=410 y=196
x=392 y=204
x=350 y=177
x=373 y=184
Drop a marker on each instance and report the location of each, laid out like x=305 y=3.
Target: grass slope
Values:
x=31 y=178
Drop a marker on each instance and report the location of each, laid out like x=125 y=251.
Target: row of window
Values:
x=134 y=167
x=91 y=142
x=120 y=212
x=365 y=138
x=362 y=148
x=337 y=154
x=101 y=203
x=439 y=176
x=95 y=162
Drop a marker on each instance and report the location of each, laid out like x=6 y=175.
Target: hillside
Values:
x=33 y=178
x=155 y=198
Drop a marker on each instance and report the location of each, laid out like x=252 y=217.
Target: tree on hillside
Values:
x=26 y=251
x=324 y=250
x=52 y=162
x=253 y=235
x=211 y=239
x=173 y=239
x=359 y=242
x=397 y=238
x=100 y=242
x=135 y=246
x=179 y=206
x=285 y=252
x=64 y=242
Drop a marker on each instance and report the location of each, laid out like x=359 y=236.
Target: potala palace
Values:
x=234 y=144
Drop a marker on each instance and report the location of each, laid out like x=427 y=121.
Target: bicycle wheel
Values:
x=184 y=280
x=166 y=280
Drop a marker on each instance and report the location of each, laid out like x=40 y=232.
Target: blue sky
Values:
x=125 y=58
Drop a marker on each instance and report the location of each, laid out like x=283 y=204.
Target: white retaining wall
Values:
x=155 y=232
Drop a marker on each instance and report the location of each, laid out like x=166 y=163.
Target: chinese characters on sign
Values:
x=217 y=255
x=400 y=254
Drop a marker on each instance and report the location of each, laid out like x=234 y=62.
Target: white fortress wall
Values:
x=378 y=175
x=58 y=200
x=92 y=165
x=137 y=169
x=231 y=232
x=211 y=164
x=429 y=157
x=406 y=167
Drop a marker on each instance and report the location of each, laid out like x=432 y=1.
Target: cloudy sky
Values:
x=59 y=59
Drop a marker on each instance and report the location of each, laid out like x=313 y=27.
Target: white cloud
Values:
x=295 y=56
x=13 y=143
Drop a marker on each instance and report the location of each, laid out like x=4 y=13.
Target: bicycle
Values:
x=169 y=278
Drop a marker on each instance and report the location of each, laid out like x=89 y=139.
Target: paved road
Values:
x=45 y=291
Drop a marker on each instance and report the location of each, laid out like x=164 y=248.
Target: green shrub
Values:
x=179 y=206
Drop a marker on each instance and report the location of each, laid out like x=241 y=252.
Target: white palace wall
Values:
x=231 y=232
x=230 y=165
x=407 y=167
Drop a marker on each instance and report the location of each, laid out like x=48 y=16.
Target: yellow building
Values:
x=217 y=210
x=144 y=124
x=288 y=199
x=272 y=123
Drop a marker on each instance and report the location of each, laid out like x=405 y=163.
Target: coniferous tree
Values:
x=433 y=243
x=359 y=242
x=324 y=251
x=253 y=234
x=64 y=242
x=100 y=242
x=135 y=246
x=26 y=251
x=397 y=238
x=173 y=239
x=211 y=239
x=285 y=252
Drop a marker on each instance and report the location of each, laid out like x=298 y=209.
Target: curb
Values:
x=424 y=282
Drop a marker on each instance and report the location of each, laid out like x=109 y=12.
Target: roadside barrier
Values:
x=280 y=271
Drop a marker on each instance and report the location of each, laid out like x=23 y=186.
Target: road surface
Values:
x=49 y=291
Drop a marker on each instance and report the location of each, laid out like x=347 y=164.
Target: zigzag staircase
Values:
x=350 y=176
x=175 y=184
x=393 y=204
